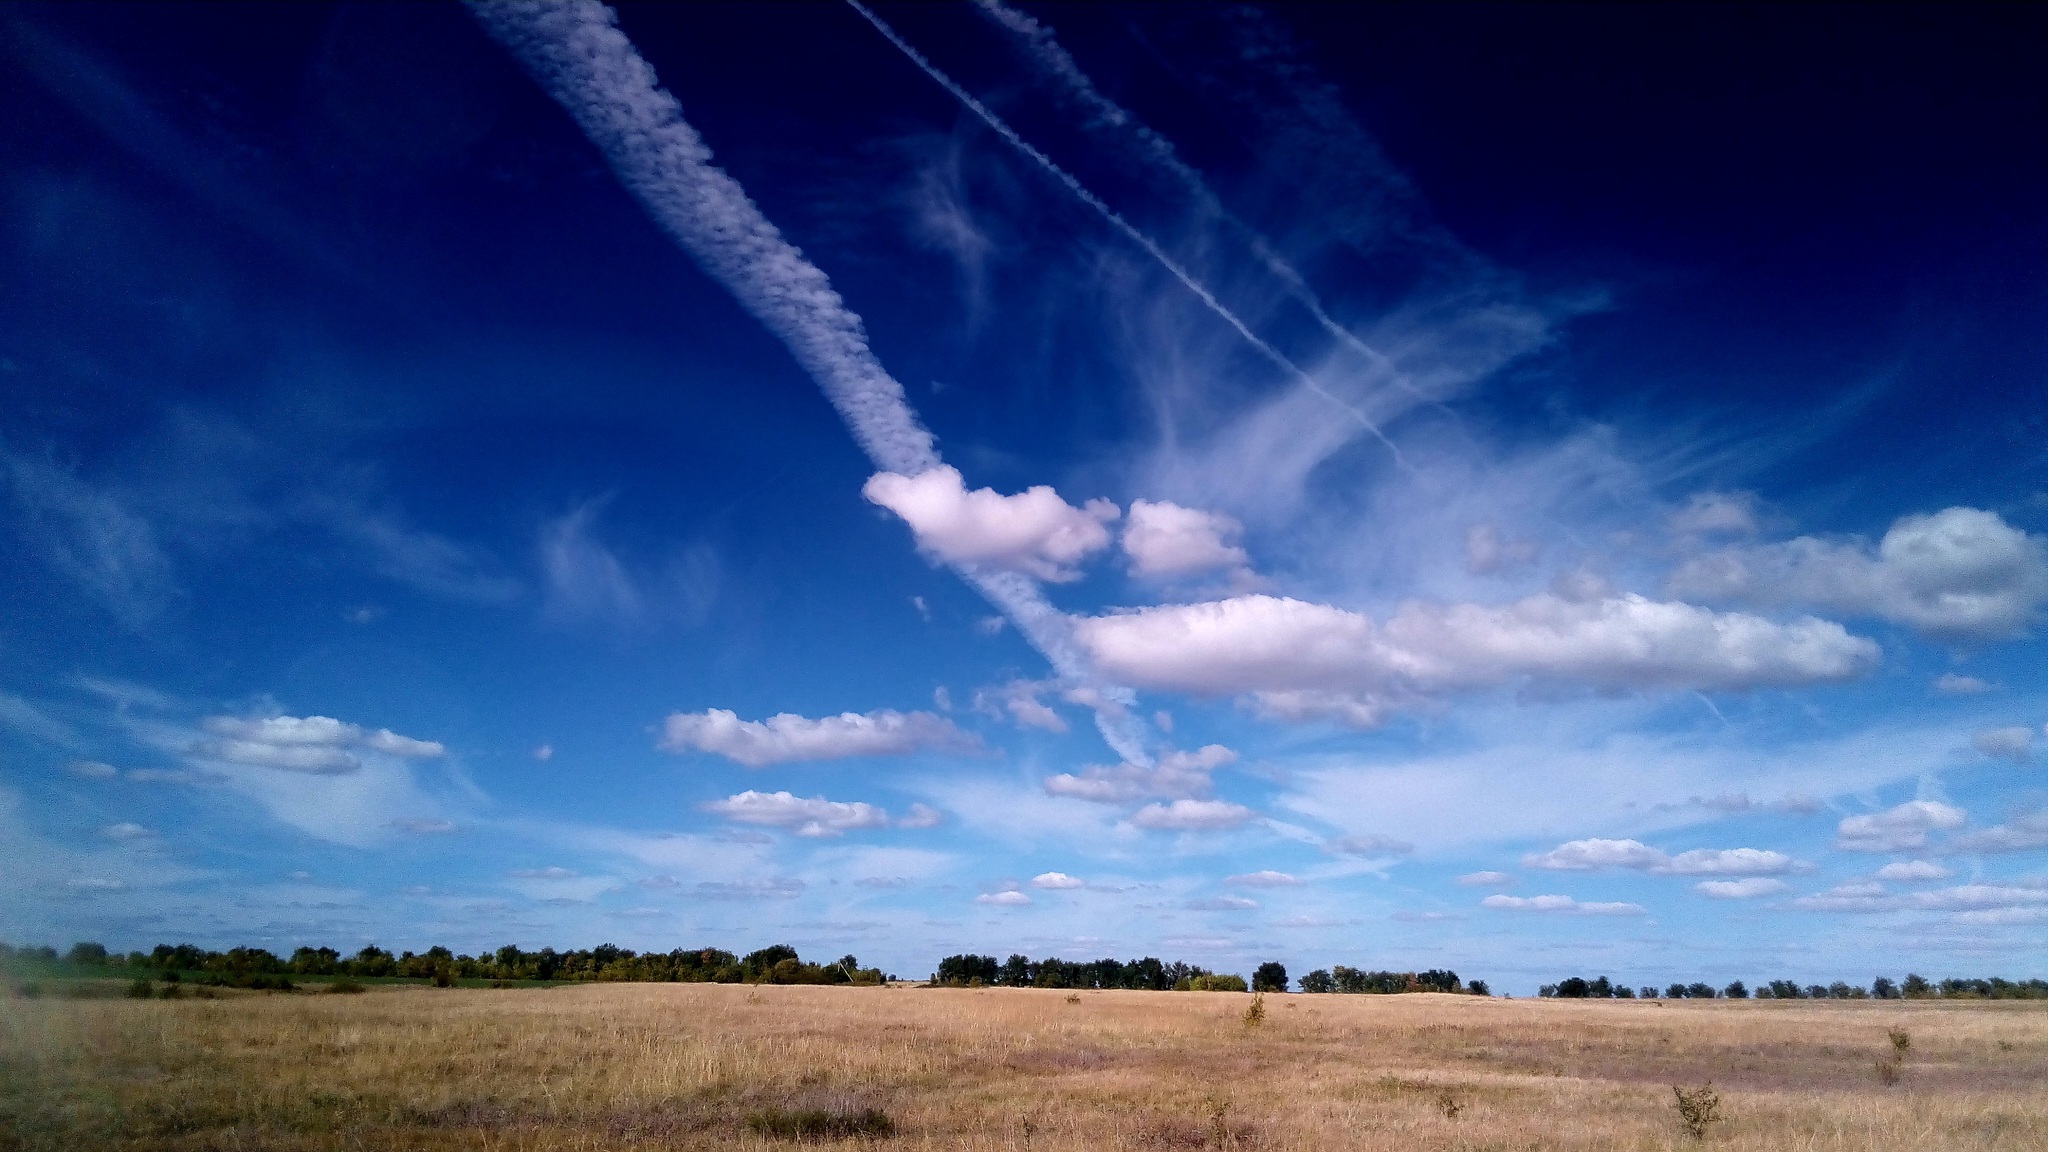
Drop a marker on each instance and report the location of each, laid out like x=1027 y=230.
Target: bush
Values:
x=344 y=987
x=1224 y=982
x=1697 y=1109
x=822 y=1123
x=1478 y=988
x=139 y=989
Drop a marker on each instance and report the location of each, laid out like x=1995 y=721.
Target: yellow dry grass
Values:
x=683 y=1066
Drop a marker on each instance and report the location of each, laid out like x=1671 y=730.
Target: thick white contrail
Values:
x=1116 y=220
x=1053 y=58
x=575 y=50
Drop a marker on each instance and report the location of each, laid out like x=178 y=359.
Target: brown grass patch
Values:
x=707 y=1066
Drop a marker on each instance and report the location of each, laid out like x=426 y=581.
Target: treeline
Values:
x=258 y=967
x=1914 y=987
x=1357 y=982
x=1020 y=971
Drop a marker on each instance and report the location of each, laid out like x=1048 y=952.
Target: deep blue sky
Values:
x=346 y=388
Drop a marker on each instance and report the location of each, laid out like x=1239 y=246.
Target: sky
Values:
x=1530 y=491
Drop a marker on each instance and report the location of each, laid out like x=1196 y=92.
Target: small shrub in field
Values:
x=1073 y=997
x=203 y=994
x=28 y=990
x=344 y=987
x=1901 y=1040
x=1448 y=1105
x=1256 y=1014
x=1887 y=1072
x=140 y=989
x=1698 y=1108
x=171 y=992
x=822 y=1123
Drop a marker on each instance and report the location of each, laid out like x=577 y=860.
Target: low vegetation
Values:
x=1914 y=988
x=635 y=1067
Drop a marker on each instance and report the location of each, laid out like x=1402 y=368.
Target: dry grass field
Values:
x=686 y=1066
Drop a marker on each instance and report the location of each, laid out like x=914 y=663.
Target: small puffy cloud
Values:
x=125 y=830
x=815 y=816
x=1747 y=889
x=1597 y=855
x=1729 y=862
x=1167 y=541
x=1298 y=660
x=1010 y=899
x=1563 y=905
x=1486 y=879
x=1369 y=845
x=2015 y=743
x=1594 y=855
x=1950 y=684
x=1222 y=904
x=1899 y=829
x=1177 y=775
x=1266 y=878
x=2023 y=833
x=317 y=745
x=1913 y=871
x=1057 y=880
x=1961 y=574
x=1717 y=514
x=1192 y=816
x=787 y=737
x=1034 y=532
x=1019 y=698
x=921 y=816
x=544 y=753
x=92 y=769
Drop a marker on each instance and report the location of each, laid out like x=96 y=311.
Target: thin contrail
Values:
x=576 y=51
x=1054 y=59
x=1137 y=237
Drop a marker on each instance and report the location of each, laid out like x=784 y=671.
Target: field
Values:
x=633 y=1066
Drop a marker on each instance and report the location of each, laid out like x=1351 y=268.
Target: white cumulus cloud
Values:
x=318 y=745
x=2014 y=743
x=1192 y=816
x=1003 y=899
x=1057 y=880
x=1176 y=775
x=1300 y=660
x=1486 y=879
x=787 y=737
x=1951 y=684
x=1034 y=532
x=1958 y=574
x=1897 y=829
x=1911 y=871
x=1717 y=514
x=1265 y=878
x=815 y=816
x=2025 y=832
x=1597 y=855
x=1562 y=904
x=1165 y=541
x=1747 y=889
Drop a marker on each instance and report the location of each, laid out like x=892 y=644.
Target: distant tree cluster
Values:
x=258 y=967
x=1020 y=971
x=1356 y=981
x=1914 y=988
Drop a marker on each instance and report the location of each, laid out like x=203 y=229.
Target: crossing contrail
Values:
x=1117 y=221
x=1053 y=58
x=576 y=51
